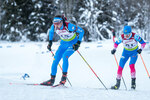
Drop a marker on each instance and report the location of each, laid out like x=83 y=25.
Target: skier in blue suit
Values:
x=131 y=50
x=70 y=42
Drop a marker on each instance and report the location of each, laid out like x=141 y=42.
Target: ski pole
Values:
x=61 y=69
x=145 y=66
x=122 y=76
x=92 y=69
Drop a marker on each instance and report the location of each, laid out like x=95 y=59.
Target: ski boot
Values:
x=49 y=82
x=133 y=84
x=63 y=78
x=116 y=87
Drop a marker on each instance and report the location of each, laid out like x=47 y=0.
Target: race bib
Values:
x=64 y=34
x=129 y=44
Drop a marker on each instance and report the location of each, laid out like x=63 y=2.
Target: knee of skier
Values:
x=65 y=57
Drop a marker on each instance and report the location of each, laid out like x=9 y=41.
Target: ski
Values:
x=63 y=86
x=60 y=86
x=36 y=84
x=122 y=89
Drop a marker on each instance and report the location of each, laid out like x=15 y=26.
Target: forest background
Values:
x=29 y=20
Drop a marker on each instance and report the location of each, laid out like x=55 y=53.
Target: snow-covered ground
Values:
x=16 y=59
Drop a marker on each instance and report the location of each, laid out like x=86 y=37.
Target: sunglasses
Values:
x=57 y=23
x=127 y=34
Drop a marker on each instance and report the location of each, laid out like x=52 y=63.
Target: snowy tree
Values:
x=26 y=18
x=30 y=19
x=96 y=16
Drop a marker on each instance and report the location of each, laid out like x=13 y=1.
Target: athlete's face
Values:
x=58 y=25
x=127 y=36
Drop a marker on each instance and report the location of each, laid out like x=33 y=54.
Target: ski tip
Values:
x=35 y=84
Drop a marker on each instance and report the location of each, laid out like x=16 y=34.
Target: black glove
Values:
x=113 y=51
x=77 y=45
x=49 y=45
x=139 y=51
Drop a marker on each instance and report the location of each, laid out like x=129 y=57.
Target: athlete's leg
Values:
x=66 y=56
x=58 y=55
x=122 y=62
x=133 y=60
x=68 y=53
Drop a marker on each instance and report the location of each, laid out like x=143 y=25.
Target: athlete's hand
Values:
x=49 y=45
x=77 y=45
x=139 y=51
x=113 y=51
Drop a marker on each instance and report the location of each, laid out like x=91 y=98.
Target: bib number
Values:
x=130 y=43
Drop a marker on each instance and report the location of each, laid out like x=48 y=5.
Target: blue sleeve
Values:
x=72 y=27
x=119 y=40
x=139 y=39
x=51 y=32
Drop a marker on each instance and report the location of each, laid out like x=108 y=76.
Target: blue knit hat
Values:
x=127 y=30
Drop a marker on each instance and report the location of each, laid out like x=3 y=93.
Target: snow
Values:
x=12 y=29
x=34 y=59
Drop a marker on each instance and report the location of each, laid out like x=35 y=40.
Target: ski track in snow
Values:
x=34 y=59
